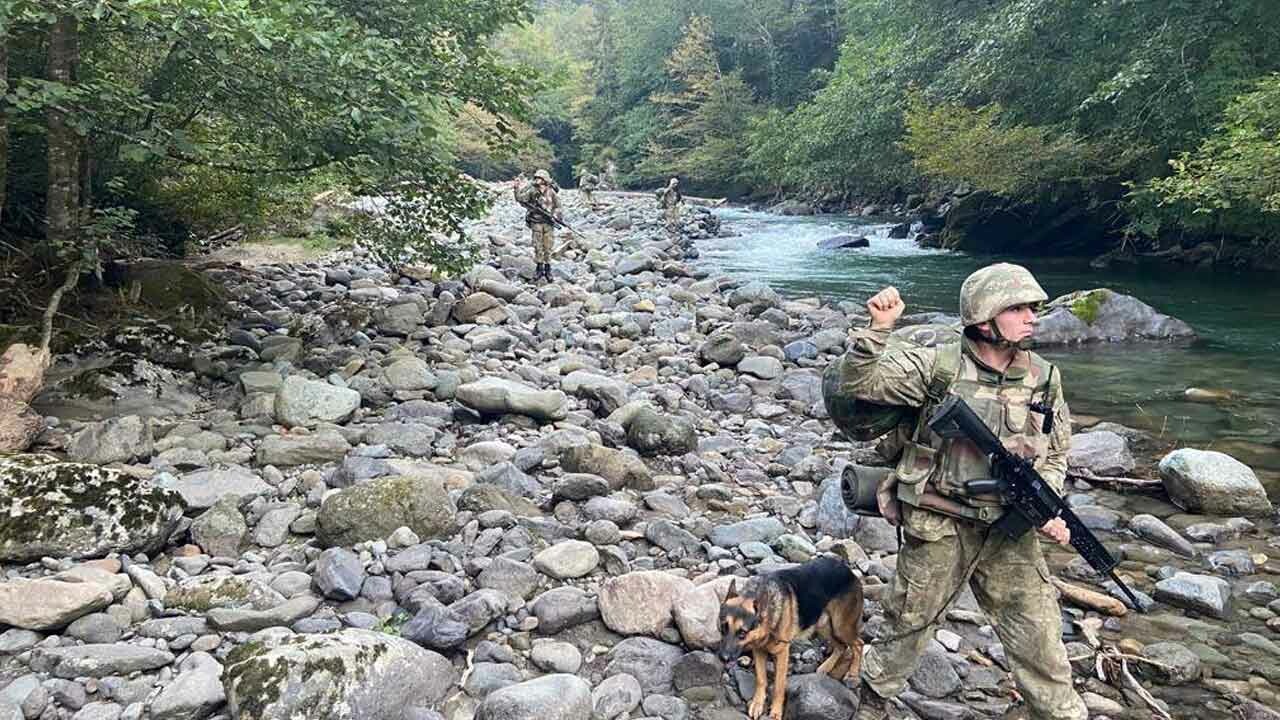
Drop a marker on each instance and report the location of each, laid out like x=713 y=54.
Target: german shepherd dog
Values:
x=777 y=608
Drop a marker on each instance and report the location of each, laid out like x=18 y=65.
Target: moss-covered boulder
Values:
x=1103 y=315
x=77 y=510
x=373 y=510
x=347 y=675
x=208 y=592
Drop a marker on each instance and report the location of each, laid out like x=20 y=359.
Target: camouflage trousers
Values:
x=1011 y=584
x=671 y=216
x=544 y=239
x=587 y=197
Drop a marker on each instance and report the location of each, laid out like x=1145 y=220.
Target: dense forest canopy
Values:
x=133 y=127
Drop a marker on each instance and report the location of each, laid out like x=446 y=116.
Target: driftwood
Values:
x=1114 y=480
x=22 y=370
x=1090 y=599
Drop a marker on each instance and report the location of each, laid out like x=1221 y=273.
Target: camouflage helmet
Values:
x=543 y=175
x=995 y=288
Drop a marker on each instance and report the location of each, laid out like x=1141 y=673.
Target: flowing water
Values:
x=1141 y=385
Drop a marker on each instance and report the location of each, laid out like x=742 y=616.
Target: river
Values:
x=1237 y=318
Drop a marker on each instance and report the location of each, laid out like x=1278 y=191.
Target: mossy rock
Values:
x=345 y=675
x=1087 y=304
x=78 y=510
x=373 y=510
x=206 y=592
x=166 y=285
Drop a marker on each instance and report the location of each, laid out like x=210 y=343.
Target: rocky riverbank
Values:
x=383 y=496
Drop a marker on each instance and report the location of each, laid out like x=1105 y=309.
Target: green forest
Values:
x=134 y=127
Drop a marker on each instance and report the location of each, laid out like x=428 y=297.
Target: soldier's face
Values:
x=1017 y=323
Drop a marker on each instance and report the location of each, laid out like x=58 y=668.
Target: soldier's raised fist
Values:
x=885 y=308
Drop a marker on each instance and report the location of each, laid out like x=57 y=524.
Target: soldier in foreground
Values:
x=670 y=200
x=540 y=194
x=1018 y=394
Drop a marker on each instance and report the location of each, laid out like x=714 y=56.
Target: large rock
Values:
x=492 y=396
x=348 y=675
x=373 y=510
x=1101 y=452
x=650 y=661
x=121 y=439
x=551 y=697
x=610 y=394
x=844 y=242
x=300 y=401
x=410 y=374
x=50 y=603
x=639 y=603
x=764 y=529
x=194 y=694
x=722 y=347
x=697 y=613
x=98 y=660
x=755 y=293
x=203 y=488
x=654 y=433
x=1213 y=483
x=818 y=696
x=73 y=510
x=1104 y=315
x=312 y=448
x=1202 y=593
x=563 y=607
x=220 y=529
x=621 y=469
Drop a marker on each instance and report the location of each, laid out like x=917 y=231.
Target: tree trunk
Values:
x=4 y=119
x=62 y=212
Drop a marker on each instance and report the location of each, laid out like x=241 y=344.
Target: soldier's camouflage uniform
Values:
x=670 y=199
x=587 y=184
x=543 y=232
x=1010 y=580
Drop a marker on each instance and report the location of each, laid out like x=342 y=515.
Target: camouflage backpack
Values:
x=860 y=420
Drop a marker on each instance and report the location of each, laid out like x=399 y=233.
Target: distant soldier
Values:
x=588 y=184
x=540 y=195
x=670 y=200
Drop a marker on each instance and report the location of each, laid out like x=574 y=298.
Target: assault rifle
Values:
x=557 y=222
x=1032 y=502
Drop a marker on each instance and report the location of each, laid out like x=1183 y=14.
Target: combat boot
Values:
x=546 y=271
x=873 y=707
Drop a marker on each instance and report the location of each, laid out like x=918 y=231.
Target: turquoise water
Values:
x=1141 y=385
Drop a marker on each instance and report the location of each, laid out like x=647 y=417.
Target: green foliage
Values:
x=229 y=101
x=951 y=142
x=1231 y=182
x=704 y=119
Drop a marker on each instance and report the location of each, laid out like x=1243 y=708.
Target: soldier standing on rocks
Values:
x=541 y=194
x=670 y=200
x=1019 y=395
x=587 y=184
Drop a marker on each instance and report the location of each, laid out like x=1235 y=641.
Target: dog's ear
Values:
x=733 y=589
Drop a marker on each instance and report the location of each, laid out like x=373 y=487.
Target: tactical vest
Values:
x=943 y=466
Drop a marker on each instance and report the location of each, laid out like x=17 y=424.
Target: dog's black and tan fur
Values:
x=775 y=609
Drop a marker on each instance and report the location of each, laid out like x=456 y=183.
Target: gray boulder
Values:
x=1202 y=593
x=348 y=675
x=1100 y=452
x=844 y=242
x=373 y=510
x=551 y=697
x=1213 y=483
x=300 y=402
x=313 y=448
x=74 y=510
x=121 y=439
x=654 y=433
x=1104 y=315
x=492 y=396
x=203 y=488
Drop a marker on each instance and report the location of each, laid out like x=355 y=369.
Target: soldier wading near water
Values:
x=587 y=184
x=1012 y=390
x=670 y=200
x=542 y=194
